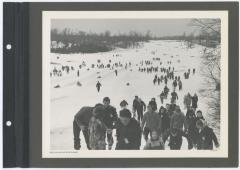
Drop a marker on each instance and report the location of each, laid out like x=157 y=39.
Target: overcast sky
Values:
x=158 y=27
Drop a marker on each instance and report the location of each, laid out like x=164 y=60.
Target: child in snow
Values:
x=180 y=84
x=206 y=136
x=151 y=121
x=174 y=97
x=194 y=101
x=199 y=115
x=162 y=96
x=165 y=119
x=155 y=142
x=166 y=90
x=98 y=86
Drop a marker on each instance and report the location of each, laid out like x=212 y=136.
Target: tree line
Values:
x=66 y=41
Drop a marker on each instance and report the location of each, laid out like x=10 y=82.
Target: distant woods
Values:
x=67 y=41
x=82 y=42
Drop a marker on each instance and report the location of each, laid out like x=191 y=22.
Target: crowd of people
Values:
x=168 y=124
x=159 y=126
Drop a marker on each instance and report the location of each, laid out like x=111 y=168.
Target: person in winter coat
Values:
x=190 y=127
x=164 y=118
x=139 y=106
x=190 y=111
x=199 y=115
x=153 y=103
x=162 y=96
x=166 y=90
x=151 y=121
x=206 y=136
x=128 y=132
x=81 y=123
x=97 y=130
x=116 y=72
x=165 y=80
x=141 y=109
x=174 y=97
x=158 y=80
x=155 y=142
x=187 y=100
x=194 y=101
x=180 y=84
x=194 y=70
x=109 y=118
x=136 y=105
x=174 y=84
x=171 y=109
x=177 y=119
x=98 y=85
x=154 y=81
x=175 y=141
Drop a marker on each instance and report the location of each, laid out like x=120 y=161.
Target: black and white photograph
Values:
x=137 y=81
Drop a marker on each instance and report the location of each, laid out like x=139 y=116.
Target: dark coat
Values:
x=206 y=138
x=132 y=132
x=171 y=109
x=139 y=106
x=194 y=101
x=165 y=120
x=142 y=107
x=83 y=116
x=191 y=129
x=190 y=112
x=110 y=116
x=136 y=104
x=166 y=90
x=174 y=95
x=177 y=120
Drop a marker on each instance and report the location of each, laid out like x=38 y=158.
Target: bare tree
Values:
x=209 y=27
x=210 y=30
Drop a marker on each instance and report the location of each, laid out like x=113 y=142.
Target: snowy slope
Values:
x=69 y=98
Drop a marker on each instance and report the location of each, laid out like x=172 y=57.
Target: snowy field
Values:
x=67 y=100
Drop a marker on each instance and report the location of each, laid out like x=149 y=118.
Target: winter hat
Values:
x=125 y=113
x=106 y=99
x=123 y=103
x=161 y=108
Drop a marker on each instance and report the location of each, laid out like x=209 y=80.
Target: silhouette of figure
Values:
x=98 y=85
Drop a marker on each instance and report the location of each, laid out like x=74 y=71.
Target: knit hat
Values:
x=125 y=113
x=106 y=99
x=123 y=103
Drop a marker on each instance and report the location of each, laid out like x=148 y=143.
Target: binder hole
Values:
x=8 y=46
x=8 y=123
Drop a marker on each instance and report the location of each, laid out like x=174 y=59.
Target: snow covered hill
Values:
x=69 y=98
